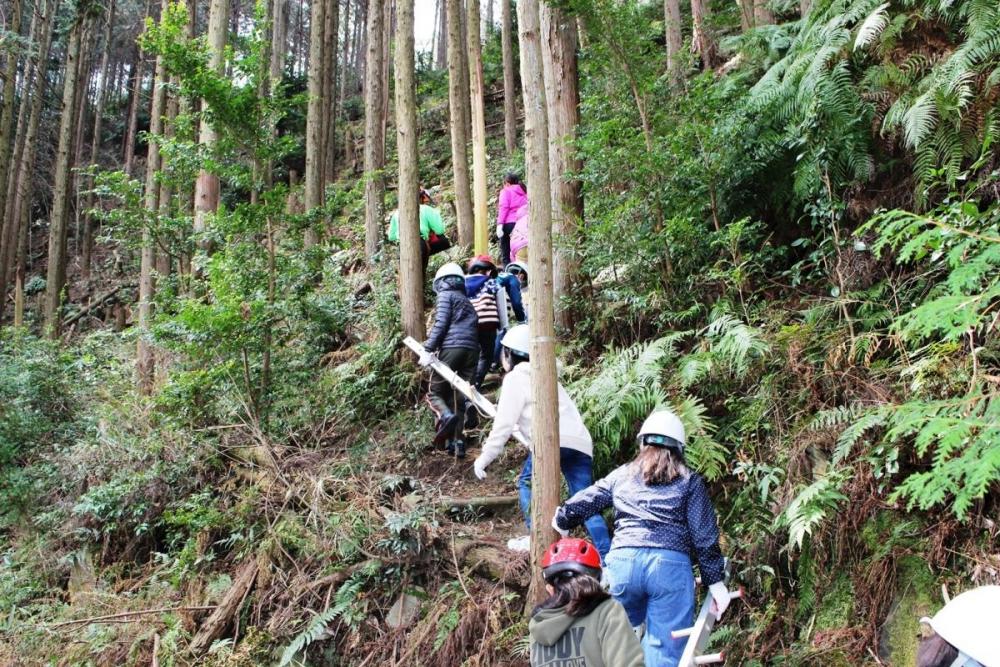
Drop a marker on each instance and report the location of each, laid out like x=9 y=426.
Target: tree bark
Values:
x=672 y=28
x=458 y=98
x=138 y=73
x=411 y=273
x=314 y=117
x=95 y=146
x=20 y=211
x=56 y=278
x=206 y=187
x=441 y=56
x=545 y=480
x=762 y=14
x=374 y=141
x=330 y=42
x=509 y=84
x=804 y=6
x=6 y=130
x=562 y=94
x=479 y=190
x=703 y=42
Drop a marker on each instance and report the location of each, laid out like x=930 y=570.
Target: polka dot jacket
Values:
x=678 y=516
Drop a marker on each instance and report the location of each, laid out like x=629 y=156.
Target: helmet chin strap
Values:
x=965 y=661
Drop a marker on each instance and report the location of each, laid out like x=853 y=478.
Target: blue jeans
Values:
x=578 y=469
x=656 y=587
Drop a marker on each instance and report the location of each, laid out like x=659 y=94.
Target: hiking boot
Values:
x=471 y=417
x=459 y=449
x=449 y=448
x=444 y=426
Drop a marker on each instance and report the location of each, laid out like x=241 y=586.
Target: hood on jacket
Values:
x=474 y=283
x=549 y=625
x=449 y=283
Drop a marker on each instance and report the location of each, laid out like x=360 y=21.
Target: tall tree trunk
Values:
x=489 y=18
x=164 y=262
x=458 y=99
x=374 y=141
x=95 y=146
x=345 y=68
x=145 y=358
x=545 y=480
x=206 y=187
x=703 y=42
x=390 y=29
x=441 y=54
x=411 y=273
x=509 y=85
x=762 y=14
x=20 y=210
x=463 y=42
x=137 y=74
x=672 y=28
x=56 y=278
x=479 y=190
x=6 y=131
x=83 y=85
x=330 y=43
x=314 y=116
x=562 y=94
x=804 y=6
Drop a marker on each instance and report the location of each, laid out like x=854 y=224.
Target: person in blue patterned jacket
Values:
x=663 y=517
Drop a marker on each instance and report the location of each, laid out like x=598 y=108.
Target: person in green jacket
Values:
x=580 y=624
x=431 y=229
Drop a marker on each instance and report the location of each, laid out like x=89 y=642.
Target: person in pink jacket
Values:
x=513 y=198
x=519 y=237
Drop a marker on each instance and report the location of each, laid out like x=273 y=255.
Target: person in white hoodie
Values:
x=514 y=409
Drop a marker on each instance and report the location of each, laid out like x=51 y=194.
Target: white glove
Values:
x=426 y=358
x=555 y=525
x=499 y=231
x=479 y=467
x=720 y=598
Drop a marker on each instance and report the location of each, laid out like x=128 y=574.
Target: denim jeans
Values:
x=656 y=587
x=578 y=469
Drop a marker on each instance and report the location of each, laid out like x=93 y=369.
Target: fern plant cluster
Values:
x=864 y=82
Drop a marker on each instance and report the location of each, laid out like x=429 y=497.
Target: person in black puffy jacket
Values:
x=455 y=339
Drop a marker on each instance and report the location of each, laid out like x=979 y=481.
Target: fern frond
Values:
x=872 y=27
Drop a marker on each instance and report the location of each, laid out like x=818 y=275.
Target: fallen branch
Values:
x=125 y=616
x=215 y=625
x=99 y=301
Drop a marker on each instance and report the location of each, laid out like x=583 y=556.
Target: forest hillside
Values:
x=779 y=219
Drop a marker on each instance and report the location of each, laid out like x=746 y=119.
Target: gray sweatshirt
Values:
x=602 y=638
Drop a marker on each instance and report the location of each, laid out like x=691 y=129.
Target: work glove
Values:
x=499 y=231
x=479 y=467
x=426 y=359
x=720 y=598
x=555 y=525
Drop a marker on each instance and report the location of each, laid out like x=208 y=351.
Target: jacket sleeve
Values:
x=513 y=286
x=704 y=532
x=586 y=503
x=394 y=227
x=513 y=398
x=619 y=645
x=442 y=318
x=434 y=221
x=503 y=206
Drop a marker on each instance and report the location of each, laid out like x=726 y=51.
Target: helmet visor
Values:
x=657 y=440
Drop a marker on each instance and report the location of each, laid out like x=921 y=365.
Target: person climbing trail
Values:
x=966 y=632
x=663 y=516
x=514 y=279
x=491 y=291
x=454 y=338
x=579 y=623
x=514 y=409
x=434 y=238
x=513 y=197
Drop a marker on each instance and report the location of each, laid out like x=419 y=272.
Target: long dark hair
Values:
x=513 y=178
x=579 y=593
x=934 y=651
x=660 y=465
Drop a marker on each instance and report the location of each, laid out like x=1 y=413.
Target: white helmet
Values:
x=449 y=269
x=517 y=268
x=662 y=429
x=969 y=623
x=518 y=340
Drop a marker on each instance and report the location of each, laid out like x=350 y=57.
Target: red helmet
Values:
x=571 y=554
x=481 y=262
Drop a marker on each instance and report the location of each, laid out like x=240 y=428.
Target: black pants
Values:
x=508 y=229
x=487 y=341
x=443 y=397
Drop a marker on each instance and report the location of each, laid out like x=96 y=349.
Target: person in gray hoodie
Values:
x=580 y=624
